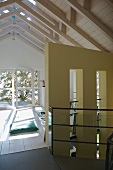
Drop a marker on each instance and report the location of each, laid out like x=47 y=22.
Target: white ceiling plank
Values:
x=68 y=23
x=5 y=25
x=91 y=17
x=110 y=3
x=51 y=26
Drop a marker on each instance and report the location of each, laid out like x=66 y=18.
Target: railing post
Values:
x=107 y=157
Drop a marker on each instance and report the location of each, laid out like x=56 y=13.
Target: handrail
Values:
x=72 y=101
x=68 y=108
x=83 y=125
x=101 y=143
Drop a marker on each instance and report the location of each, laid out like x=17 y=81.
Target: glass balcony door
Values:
x=19 y=88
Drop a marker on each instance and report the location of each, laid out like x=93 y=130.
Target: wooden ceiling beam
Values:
x=50 y=19
x=37 y=28
x=73 y=16
x=6 y=3
x=4 y=16
x=63 y=28
x=87 y=4
x=48 y=5
x=4 y=32
x=5 y=25
x=29 y=38
x=41 y=24
x=30 y=32
x=36 y=36
x=55 y=34
x=84 y=12
x=47 y=23
x=34 y=19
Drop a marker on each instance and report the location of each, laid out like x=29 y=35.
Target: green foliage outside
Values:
x=24 y=85
x=5 y=82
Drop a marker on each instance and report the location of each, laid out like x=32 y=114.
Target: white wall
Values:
x=18 y=54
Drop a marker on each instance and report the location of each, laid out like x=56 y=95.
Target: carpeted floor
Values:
x=39 y=159
x=67 y=163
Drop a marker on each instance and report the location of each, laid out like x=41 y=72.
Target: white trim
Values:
x=33 y=101
x=13 y=98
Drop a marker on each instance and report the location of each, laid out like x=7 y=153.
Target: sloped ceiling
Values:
x=81 y=23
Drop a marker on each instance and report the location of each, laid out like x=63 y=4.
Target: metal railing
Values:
x=98 y=126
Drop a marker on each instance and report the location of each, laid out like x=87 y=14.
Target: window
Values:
x=19 y=88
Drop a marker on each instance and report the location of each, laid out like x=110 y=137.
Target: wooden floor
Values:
x=41 y=159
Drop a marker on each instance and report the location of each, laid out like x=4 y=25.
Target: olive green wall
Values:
x=59 y=59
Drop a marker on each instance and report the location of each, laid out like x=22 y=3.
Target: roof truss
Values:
x=43 y=27
x=83 y=11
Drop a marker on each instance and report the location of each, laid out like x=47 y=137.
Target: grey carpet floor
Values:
x=39 y=159
x=67 y=163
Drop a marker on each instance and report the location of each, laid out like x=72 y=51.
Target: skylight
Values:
x=32 y=1
x=22 y=13
x=29 y=18
x=6 y=11
x=4 y=0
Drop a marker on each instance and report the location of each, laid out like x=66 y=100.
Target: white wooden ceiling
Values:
x=81 y=23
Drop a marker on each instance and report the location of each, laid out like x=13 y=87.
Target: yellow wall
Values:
x=59 y=59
